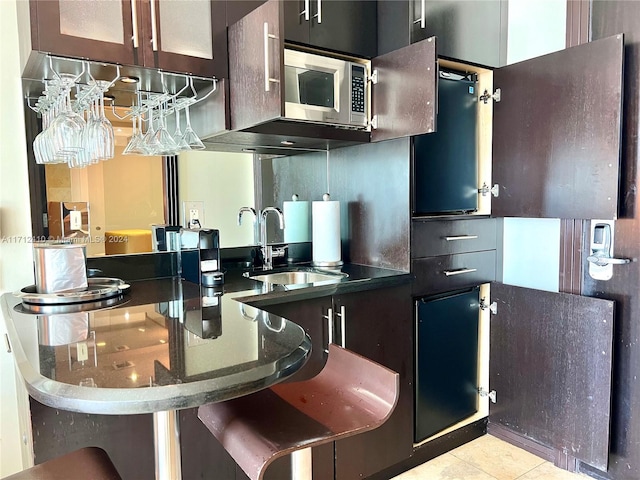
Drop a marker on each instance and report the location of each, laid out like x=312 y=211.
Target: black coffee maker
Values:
x=200 y=255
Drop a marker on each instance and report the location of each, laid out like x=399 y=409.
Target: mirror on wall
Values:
x=125 y=196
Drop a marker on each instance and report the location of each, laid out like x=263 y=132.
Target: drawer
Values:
x=452 y=272
x=430 y=238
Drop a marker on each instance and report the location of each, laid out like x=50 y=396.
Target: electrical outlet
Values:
x=193 y=214
x=75 y=220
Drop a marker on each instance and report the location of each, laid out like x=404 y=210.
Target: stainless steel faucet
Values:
x=268 y=252
x=256 y=221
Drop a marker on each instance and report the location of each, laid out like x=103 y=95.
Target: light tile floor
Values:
x=488 y=458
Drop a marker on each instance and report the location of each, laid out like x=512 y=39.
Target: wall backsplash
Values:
x=372 y=183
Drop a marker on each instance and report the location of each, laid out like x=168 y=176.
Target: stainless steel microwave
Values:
x=326 y=90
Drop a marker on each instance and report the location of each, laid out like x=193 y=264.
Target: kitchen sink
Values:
x=297 y=277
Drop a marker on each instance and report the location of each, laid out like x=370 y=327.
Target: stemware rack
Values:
x=131 y=91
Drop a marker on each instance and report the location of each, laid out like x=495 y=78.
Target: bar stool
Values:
x=87 y=463
x=351 y=395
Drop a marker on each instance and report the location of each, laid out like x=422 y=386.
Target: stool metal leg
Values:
x=166 y=436
x=301 y=465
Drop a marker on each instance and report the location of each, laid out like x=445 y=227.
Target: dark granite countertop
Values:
x=170 y=344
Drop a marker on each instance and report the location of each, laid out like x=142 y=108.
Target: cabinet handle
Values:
x=319 y=14
x=343 y=325
x=267 y=78
x=450 y=273
x=329 y=317
x=460 y=237
x=134 y=22
x=305 y=12
x=423 y=17
x=154 y=27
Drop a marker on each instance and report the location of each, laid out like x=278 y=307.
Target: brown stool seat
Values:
x=90 y=463
x=351 y=395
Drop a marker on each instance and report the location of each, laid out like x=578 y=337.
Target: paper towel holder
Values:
x=328 y=264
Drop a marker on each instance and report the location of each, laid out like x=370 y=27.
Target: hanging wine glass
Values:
x=190 y=137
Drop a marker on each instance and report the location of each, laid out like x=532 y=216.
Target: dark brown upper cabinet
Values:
x=467 y=31
x=184 y=37
x=556 y=133
x=347 y=27
x=551 y=368
x=402 y=99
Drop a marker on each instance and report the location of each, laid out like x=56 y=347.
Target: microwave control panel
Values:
x=358 y=95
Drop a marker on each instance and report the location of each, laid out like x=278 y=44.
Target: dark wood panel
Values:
x=550 y=365
x=127 y=439
x=250 y=103
x=468 y=31
x=571 y=255
x=429 y=237
x=236 y=9
x=374 y=210
x=379 y=326
x=609 y=17
x=430 y=276
x=309 y=314
x=347 y=27
x=404 y=99
x=201 y=452
x=556 y=133
x=393 y=25
x=296 y=25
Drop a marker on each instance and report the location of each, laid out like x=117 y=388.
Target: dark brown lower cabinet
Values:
x=551 y=367
x=378 y=325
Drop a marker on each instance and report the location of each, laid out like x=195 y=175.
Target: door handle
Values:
x=460 y=237
x=329 y=318
x=461 y=271
x=319 y=14
x=423 y=17
x=267 y=76
x=305 y=12
x=134 y=22
x=154 y=27
x=343 y=325
x=602 y=261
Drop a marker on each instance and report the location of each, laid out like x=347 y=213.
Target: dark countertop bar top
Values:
x=170 y=344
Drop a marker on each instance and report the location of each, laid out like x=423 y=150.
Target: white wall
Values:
x=224 y=182
x=531 y=247
x=535 y=27
x=16 y=269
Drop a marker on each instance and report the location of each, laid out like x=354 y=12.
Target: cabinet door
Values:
x=297 y=20
x=467 y=30
x=404 y=97
x=378 y=325
x=550 y=365
x=102 y=31
x=256 y=55
x=188 y=36
x=556 y=133
x=344 y=26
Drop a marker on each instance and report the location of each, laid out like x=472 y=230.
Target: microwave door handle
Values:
x=267 y=78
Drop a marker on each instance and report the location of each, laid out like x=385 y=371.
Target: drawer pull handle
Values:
x=450 y=273
x=460 y=237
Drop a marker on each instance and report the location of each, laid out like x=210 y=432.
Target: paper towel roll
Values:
x=297 y=227
x=326 y=233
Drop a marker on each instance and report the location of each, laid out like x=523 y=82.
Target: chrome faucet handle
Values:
x=247 y=209
x=277 y=211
